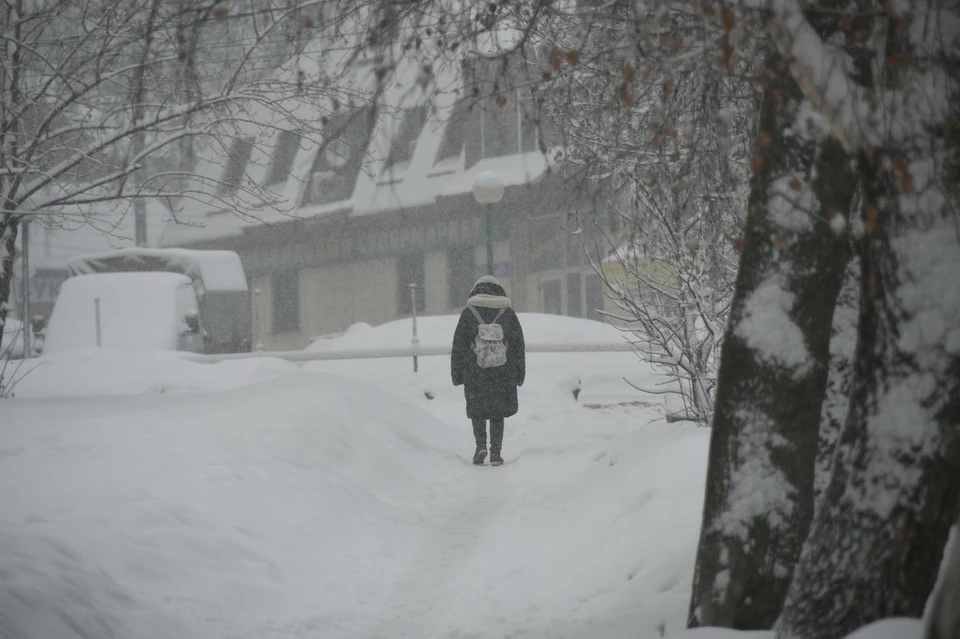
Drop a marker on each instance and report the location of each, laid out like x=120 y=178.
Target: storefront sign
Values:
x=342 y=247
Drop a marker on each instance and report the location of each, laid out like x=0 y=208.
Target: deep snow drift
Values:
x=143 y=497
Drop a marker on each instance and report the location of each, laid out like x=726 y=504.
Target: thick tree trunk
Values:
x=836 y=401
x=773 y=371
x=944 y=615
x=8 y=247
x=874 y=549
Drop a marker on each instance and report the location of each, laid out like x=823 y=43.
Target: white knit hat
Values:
x=488 y=279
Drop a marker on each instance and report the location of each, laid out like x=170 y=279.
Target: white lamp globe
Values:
x=487 y=188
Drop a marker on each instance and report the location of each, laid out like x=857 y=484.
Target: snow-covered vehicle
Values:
x=126 y=311
x=218 y=280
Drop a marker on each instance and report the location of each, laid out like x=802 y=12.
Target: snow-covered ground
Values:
x=145 y=496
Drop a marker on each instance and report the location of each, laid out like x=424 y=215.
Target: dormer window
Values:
x=455 y=131
x=508 y=124
x=237 y=160
x=496 y=126
x=405 y=140
x=284 y=153
x=337 y=163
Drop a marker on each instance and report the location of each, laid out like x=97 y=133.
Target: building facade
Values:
x=383 y=218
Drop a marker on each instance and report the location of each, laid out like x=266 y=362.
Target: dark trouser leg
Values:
x=480 y=432
x=496 y=435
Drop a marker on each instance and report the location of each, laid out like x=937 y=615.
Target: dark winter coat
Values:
x=491 y=393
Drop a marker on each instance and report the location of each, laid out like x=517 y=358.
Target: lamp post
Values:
x=488 y=190
x=415 y=339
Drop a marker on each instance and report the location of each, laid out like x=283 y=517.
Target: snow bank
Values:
x=138 y=311
x=217 y=513
x=322 y=505
x=437 y=331
x=115 y=372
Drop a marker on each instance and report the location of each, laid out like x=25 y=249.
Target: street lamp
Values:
x=488 y=190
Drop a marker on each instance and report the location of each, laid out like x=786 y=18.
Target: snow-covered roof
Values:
x=219 y=270
x=418 y=181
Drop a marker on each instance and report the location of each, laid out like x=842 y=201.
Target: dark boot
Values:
x=480 y=435
x=480 y=455
x=496 y=441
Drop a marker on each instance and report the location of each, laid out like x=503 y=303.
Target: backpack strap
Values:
x=476 y=314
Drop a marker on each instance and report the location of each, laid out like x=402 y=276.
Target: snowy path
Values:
x=451 y=530
x=308 y=505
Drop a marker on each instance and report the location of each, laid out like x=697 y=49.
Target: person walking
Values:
x=488 y=360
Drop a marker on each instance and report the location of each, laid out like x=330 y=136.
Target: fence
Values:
x=401 y=351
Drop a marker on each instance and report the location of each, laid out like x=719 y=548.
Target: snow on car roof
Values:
x=219 y=270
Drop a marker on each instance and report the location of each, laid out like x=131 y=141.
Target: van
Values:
x=219 y=283
x=125 y=311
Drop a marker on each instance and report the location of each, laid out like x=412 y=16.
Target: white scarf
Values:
x=489 y=301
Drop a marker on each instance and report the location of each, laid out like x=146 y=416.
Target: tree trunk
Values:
x=944 y=611
x=836 y=400
x=773 y=371
x=8 y=247
x=878 y=539
x=10 y=101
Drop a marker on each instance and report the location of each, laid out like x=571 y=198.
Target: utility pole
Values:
x=139 y=204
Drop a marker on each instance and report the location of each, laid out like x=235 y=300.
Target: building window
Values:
x=286 y=302
x=570 y=286
x=528 y=114
x=284 y=154
x=574 y=293
x=237 y=160
x=499 y=126
x=410 y=270
x=405 y=140
x=508 y=124
x=552 y=297
x=574 y=297
x=549 y=243
x=593 y=286
x=455 y=132
x=340 y=157
x=461 y=268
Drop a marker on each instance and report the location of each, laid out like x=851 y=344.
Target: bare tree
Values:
x=657 y=120
x=92 y=115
